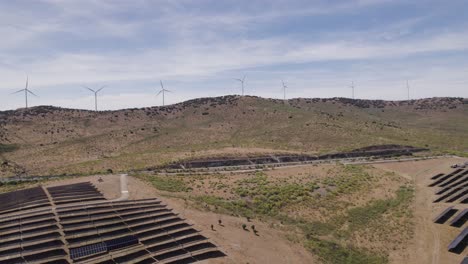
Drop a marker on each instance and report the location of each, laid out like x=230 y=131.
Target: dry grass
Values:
x=56 y=141
x=350 y=210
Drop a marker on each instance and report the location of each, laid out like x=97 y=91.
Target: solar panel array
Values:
x=84 y=251
x=136 y=231
x=22 y=200
x=453 y=189
x=121 y=242
x=459 y=243
x=74 y=193
x=31 y=236
x=83 y=227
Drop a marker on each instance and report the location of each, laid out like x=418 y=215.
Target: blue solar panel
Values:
x=76 y=253
x=459 y=241
x=121 y=242
x=465 y=261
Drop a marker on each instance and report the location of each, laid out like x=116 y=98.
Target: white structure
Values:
x=95 y=94
x=242 y=81
x=163 y=91
x=26 y=91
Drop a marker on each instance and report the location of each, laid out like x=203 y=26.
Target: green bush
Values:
x=361 y=216
x=332 y=252
x=268 y=198
x=169 y=184
x=233 y=207
x=7 y=148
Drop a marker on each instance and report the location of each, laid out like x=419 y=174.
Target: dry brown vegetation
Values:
x=355 y=213
x=48 y=140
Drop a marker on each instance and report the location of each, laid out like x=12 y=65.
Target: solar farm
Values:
x=452 y=189
x=75 y=223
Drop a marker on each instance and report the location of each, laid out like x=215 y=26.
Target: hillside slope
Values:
x=50 y=140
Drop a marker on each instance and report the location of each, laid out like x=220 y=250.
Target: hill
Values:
x=49 y=140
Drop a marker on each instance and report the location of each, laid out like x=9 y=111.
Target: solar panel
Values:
x=459 y=243
x=435 y=177
x=95 y=233
x=445 y=215
x=460 y=219
x=80 y=252
x=14 y=201
x=465 y=261
x=439 y=181
x=121 y=242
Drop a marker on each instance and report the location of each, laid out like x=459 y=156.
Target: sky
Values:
x=199 y=47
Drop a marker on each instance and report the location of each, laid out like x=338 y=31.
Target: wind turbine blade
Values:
x=89 y=89
x=27 y=81
x=162 y=86
x=238 y=80
x=159 y=93
x=31 y=93
x=102 y=87
x=22 y=90
x=243 y=79
x=168 y=91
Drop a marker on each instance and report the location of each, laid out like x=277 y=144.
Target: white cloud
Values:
x=192 y=60
x=203 y=45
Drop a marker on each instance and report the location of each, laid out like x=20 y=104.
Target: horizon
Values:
x=229 y=95
x=198 y=50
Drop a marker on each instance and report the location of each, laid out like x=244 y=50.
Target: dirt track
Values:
x=430 y=240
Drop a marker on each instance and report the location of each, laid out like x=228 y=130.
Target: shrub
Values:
x=332 y=252
x=169 y=184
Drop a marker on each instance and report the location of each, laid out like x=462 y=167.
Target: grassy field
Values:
x=327 y=214
x=46 y=140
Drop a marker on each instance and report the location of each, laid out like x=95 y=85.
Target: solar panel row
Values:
x=149 y=220
x=442 y=179
x=121 y=242
x=22 y=199
x=460 y=219
x=94 y=230
x=84 y=251
x=79 y=192
x=458 y=245
x=454 y=187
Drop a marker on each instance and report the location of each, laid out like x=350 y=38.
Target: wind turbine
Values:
x=242 y=82
x=95 y=94
x=284 y=90
x=163 y=91
x=352 y=88
x=26 y=91
x=407 y=88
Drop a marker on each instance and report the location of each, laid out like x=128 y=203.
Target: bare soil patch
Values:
x=430 y=241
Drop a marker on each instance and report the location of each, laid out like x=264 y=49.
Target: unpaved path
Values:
x=123 y=189
x=430 y=241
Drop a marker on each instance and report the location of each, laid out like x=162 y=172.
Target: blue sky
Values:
x=198 y=47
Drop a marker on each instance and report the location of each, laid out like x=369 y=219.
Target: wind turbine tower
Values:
x=407 y=89
x=284 y=90
x=95 y=94
x=26 y=91
x=163 y=91
x=242 y=81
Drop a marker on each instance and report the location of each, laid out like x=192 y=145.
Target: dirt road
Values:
x=430 y=241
